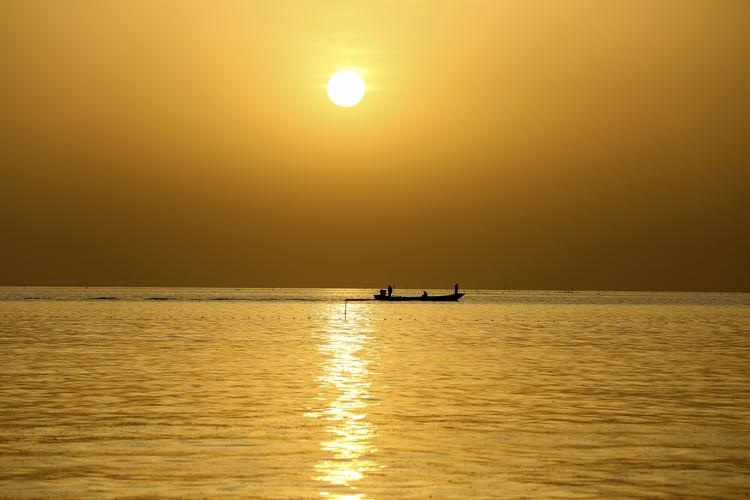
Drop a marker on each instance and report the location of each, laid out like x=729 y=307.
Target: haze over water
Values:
x=277 y=394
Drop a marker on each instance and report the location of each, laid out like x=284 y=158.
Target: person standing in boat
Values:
x=455 y=289
x=390 y=290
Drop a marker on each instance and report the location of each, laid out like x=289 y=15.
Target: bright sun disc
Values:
x=346 y=88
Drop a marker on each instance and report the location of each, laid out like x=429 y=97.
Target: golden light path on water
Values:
x=345 y=383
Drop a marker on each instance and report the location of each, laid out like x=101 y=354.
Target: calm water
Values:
x=275 y=394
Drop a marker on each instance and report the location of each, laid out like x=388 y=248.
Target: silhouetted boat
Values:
x=421 y=298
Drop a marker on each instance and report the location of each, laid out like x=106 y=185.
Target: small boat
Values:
x=453 y=297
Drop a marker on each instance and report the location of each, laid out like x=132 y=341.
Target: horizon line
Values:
x=513 y=289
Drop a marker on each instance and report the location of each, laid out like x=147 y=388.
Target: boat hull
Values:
x=430 y=298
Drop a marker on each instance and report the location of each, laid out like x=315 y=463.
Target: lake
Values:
x=291 y=393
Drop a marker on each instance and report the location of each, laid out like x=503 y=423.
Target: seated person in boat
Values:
x=424 y=293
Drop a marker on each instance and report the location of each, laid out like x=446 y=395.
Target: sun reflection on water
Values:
x=344 y=384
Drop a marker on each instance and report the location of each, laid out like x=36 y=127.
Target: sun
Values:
x=346 y=88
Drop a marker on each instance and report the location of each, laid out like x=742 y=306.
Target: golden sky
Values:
x=580 y=144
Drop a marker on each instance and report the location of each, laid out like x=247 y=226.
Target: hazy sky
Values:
x=594 y=144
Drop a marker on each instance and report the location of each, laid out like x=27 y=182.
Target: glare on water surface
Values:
x=345 y=384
